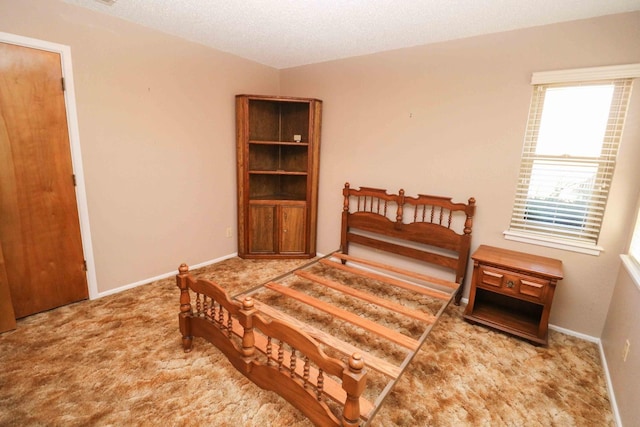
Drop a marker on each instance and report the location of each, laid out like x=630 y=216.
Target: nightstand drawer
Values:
x=533 y=289
x=510 y=283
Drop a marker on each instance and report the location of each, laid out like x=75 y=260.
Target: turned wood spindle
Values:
x=220 y=321
x=292 y=363
x=305 y=375
x=320 y=384
x=269 y=351
x=280 y=355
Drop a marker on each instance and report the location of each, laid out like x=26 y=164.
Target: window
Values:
x=631 y=260
x=634 y=248
x=574 y=128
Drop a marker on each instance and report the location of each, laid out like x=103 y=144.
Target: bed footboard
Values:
x=272 y=354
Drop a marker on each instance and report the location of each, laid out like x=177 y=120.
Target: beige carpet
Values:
x=118 y=361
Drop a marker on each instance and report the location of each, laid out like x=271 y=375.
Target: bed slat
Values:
x=398 y=308
x=345 y=348
x=444 y=296
x=348 y=316
x=424 y=277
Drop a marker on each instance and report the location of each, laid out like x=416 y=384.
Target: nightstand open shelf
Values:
x=512 y=291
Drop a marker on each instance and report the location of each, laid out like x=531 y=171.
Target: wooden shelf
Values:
x=297 y=144
x=277 y=175
x=277 y=172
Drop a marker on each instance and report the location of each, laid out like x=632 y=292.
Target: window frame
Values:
x=631 y=261
x=544 y=81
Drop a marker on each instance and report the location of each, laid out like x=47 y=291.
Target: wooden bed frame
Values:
x=287 y=346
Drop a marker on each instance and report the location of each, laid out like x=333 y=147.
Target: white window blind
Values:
x=569 y=155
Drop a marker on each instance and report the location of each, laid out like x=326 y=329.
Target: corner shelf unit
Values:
x=278 y=149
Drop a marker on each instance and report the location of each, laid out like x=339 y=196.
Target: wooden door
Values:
x=39 y=225
x=262 y=228
x=292 y=228
x=7 y=315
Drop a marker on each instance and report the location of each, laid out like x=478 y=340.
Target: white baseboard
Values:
x=605 y=368
x=575 y=334
x=612 y=395
x=160 y=277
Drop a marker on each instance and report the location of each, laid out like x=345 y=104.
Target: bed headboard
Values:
x=432 y=229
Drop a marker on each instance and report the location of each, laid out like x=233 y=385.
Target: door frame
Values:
x=74 y=142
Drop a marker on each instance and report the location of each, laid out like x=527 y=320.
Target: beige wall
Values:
x=623 y=323
x=157 y=128
x=449 y=119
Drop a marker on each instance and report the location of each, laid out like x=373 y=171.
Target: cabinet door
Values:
x=262 y=228
x=292 y=229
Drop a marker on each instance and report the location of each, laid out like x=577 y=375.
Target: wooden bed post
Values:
x=468 y=224
x=344 y=248
x=185 y=307
x=471 y=210
x=400 y=209
x=353 y=382
x=246 y=320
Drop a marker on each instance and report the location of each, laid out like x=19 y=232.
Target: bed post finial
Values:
x=471 y=210
x=353 y=382
x=399 y=212
x=345 y=193
x=182 y=280
x=344 y=227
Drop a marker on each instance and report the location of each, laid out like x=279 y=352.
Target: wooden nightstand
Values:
x=512 y=291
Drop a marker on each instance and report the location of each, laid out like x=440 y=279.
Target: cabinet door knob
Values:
x=510 y=284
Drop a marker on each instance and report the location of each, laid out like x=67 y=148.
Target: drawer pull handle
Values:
x=510 y=284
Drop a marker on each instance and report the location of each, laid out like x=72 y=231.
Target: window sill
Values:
x=566 y=245
x=632 y=268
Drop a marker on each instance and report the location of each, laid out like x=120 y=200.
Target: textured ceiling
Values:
x=288 y=33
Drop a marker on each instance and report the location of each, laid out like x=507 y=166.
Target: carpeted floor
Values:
x=118 y=361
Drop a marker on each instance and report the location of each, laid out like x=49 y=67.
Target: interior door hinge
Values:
x=73 y=177
x=63 y=85
x=84 y=264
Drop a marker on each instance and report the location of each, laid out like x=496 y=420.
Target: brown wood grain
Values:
x=7 y=315
x=513 y=291
x=364 y=296
x=394 y=269
x=348 y=316
x=274 y=169
x=39 y=225
x=373 y=362
x=392 y=281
